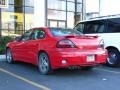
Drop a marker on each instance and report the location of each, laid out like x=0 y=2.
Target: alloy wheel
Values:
x=113 y=57
x=9 y=56
x=44 y=65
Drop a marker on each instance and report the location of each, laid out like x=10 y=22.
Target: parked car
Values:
x=53 y=48
x=109 y=29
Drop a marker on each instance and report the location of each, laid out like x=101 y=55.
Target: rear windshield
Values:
x=64 y=32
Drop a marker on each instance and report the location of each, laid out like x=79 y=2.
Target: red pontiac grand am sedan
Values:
x=52 y=48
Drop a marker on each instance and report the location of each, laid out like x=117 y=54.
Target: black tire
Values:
x=87 y=68
x=113 y=57
x=44 y=64
x=9 y=56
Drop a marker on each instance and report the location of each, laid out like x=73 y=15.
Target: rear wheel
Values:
x=44 y=64
x=9 y=57
x=113 y=57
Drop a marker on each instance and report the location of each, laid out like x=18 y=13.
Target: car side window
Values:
x=38 y=34
x=79 y=27
x=113 y=25
x=94 y=27
x=26 y=36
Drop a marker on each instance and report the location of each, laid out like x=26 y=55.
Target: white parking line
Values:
x=25 y=80
x=106 y=70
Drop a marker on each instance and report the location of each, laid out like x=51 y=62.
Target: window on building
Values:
x=71 y=6
x=56 y=15
x=18 y=17
x=29 y=3
x=60 y=10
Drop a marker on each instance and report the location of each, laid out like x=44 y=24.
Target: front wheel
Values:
x=44 y=64
x=9 y=57
x=113 y=57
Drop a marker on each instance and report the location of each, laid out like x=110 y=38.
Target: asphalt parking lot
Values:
x=20 y=76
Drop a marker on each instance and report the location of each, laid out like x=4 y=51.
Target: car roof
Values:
x=50 y=28
x=47 y=29
x=101 y=18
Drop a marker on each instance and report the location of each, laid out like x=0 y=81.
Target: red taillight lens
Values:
x=65 y=43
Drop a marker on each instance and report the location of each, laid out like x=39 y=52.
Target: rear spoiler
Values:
x=89 y=36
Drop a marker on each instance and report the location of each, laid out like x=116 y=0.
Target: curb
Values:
x=2 y=58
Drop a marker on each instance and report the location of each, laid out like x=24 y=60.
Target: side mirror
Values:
x=18 y=38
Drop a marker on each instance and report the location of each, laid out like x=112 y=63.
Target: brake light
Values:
x=101 y=44
x=65 y=43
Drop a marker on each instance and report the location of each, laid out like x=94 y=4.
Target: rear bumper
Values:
x=71 y=58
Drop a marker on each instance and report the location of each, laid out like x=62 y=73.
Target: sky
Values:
x=107 y=7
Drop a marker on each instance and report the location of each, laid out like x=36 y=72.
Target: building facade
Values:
x=17 y=16
x=100 y=8
x=63 y=13
x=58 y=13
x=21 y=15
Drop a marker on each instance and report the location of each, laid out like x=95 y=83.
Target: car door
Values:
x=20 y=48
x=32 y=45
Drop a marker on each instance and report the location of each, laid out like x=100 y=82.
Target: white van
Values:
x=109 y=29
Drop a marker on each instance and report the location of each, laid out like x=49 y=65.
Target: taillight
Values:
x=101 y=44
x=65 y=43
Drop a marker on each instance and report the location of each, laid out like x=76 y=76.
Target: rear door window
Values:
x=38 y=34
